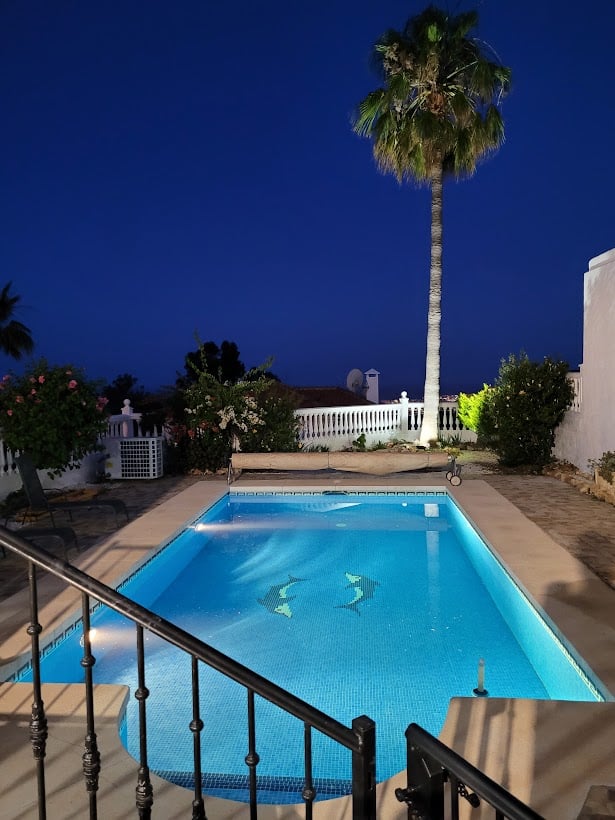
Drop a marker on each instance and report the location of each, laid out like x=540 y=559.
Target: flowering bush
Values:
x=54 y=414
x=278 y=431
x=254 y=415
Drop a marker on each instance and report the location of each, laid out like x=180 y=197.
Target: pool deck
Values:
x=547 y=753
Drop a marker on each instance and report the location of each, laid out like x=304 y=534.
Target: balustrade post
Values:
x=403 y=416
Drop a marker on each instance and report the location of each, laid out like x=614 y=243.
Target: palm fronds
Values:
x=439 y=101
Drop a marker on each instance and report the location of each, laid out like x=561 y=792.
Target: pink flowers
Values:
x=55 y=412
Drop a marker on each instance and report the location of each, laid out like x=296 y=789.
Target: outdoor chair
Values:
x=42 y=535
x=38 y=502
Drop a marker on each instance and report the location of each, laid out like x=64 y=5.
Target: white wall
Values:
x=569 y=445
x=587 y=434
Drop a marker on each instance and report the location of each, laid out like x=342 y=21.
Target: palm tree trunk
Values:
x=431 y=393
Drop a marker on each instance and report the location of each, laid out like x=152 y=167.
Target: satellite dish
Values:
x=354 y=380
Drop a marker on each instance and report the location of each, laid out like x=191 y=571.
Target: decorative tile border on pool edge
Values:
x=237 y=786
x=325 y=491
x=26 y=668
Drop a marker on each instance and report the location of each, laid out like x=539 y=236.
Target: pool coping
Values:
x=524 y=744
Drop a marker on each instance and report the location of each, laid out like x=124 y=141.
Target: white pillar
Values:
x=372 y=392
x=403 y=416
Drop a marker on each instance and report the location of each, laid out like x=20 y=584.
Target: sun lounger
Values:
x=42 y=535
x=38 y=502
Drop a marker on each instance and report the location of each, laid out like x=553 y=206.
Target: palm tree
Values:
x=436 y=116
x=15 y=337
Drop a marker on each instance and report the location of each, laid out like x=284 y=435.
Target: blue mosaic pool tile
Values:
x=271 y=790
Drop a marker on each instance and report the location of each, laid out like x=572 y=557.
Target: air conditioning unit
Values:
x=134 y=457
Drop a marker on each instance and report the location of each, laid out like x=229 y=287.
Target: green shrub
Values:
x=196 y=450
x=360 y=443
x=379 y=445
x=605 y=465
x=527 y=403
x=470 y=407
x=54 y=414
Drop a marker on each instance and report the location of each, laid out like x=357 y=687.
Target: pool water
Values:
x=375 y=604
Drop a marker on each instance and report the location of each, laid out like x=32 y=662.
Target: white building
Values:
x=587 y=430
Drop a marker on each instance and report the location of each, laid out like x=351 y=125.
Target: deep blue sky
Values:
x=172 y=168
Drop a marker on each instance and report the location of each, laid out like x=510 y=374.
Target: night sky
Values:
x=190 y=167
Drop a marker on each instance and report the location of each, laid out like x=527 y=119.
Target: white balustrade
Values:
x=338 y=427
x=335 y=428
x=127 y=424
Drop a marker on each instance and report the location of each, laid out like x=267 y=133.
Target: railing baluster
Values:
x=364 y=770
x=309 y=792
x=38 y=721
x=252 y=759
x=91 y=755
x=454 y=787
x=144 y=791
x=196 y=727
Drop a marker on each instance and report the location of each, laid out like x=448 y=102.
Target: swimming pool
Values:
x=389 y=599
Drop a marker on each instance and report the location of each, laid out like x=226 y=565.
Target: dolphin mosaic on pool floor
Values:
x=277 y=600
x=364 y=589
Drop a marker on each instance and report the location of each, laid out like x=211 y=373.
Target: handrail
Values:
x=353 y=739
x=182 y=639
x=431 y=762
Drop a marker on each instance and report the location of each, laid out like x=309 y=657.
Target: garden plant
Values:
x=518 y=416
x=52 y=413
x=254 y=414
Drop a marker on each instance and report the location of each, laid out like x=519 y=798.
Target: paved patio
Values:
x=92 y=527
x=538 y=758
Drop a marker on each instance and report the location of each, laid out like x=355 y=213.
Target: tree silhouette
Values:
x=15 y=337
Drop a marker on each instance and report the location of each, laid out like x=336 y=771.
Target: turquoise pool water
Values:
x=377 y=604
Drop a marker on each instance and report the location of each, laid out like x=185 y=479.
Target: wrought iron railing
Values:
x=437 y=775
x=360 y=739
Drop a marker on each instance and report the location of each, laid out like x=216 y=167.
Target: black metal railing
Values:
x=360 y=740
x=437 y=775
